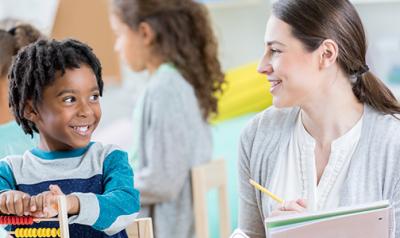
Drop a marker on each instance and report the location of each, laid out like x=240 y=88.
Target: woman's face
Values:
x=294 y=73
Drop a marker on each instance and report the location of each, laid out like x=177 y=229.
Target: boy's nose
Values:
x=85 y=110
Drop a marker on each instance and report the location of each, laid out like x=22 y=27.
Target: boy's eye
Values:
x=94 y=97
x=69 y=99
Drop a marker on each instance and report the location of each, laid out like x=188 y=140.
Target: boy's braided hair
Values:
x=37 y=66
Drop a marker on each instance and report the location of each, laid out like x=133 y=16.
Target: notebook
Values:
x=372 y=220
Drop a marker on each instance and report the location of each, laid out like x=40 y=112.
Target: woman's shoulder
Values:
x=270 y=120
x=384 y=125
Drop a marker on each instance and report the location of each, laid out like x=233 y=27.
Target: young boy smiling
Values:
x=55 y=88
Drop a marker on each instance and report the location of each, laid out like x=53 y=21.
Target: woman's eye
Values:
x=275 y=51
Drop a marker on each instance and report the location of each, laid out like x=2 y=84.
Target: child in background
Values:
x=12 y=138
x=174 y=42
x=55 y=87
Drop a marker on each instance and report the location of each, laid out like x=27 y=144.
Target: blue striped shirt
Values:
x=99 y=175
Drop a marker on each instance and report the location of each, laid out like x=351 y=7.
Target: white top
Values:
x=296 y=176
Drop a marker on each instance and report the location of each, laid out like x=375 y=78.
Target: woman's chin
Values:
x=279 y=103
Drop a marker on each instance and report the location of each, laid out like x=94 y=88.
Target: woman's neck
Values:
x=5 y=113
x=332 y=113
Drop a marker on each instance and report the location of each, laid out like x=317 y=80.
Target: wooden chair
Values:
x=141 y=228
x=204 y=178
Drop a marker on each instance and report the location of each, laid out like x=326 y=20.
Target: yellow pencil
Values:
x=266 y=191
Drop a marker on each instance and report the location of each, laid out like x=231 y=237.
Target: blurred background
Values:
x=239 y=26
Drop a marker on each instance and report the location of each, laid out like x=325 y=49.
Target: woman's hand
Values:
x=290 y=207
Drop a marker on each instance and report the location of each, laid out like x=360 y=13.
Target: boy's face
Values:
x=70 y=110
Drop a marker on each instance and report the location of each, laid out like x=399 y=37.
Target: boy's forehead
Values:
x=81 y=78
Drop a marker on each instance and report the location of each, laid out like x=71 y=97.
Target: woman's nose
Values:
x=265 y=67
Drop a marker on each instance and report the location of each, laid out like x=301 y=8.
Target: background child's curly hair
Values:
x=13 y=37
x=185 y=38
x=37 y=66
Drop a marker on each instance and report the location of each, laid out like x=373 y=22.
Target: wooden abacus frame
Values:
x=62 y=218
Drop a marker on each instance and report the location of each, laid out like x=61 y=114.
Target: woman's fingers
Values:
x=302 y=202
x=292 y=206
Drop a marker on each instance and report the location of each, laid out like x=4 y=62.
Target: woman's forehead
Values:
x=277 y=31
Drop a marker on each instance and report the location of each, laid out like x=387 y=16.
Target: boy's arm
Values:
x=7 y=181
x=118 y=206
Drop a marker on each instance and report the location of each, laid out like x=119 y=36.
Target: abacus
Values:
x=62 y=218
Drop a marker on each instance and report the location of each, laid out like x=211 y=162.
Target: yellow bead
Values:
x=18 y=232
x=33 y=232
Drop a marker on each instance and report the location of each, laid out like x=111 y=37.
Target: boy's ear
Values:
x=147 y=33
x=30 y=112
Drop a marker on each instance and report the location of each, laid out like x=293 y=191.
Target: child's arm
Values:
x=118 y=206
x=12 y=202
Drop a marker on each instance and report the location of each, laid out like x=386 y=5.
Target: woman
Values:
x=332 y=137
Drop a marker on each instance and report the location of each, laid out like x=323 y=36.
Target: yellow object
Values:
x=266 y=191
x=246 y=91
x=37 y=232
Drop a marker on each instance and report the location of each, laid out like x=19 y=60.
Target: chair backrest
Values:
x=204 y=178
x=141 y=228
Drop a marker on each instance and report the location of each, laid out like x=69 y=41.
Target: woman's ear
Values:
x=328 y=53
x=30 y=113
x=147 y=33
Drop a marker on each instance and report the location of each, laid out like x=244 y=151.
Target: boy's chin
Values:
x=81 y=144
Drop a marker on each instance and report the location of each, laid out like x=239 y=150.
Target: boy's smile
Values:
x=69 y=111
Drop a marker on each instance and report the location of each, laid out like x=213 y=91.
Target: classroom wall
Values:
x=381 y=24
x=88 y=21
x=240 y=31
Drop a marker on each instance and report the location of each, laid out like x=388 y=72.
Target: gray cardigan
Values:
x=374 y=172
x=173 y=138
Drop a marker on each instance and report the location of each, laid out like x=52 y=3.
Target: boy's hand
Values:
x=14 y=203
x=45 y=204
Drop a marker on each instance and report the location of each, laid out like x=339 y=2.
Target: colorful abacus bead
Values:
x=14 y=220
x=37 y=232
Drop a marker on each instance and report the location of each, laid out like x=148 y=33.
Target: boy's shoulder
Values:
x=103 y=150
x=9 y=158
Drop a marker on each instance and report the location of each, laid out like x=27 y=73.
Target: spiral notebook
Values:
x=372 y=220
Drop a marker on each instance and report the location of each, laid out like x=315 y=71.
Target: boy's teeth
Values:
x=82 y=129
